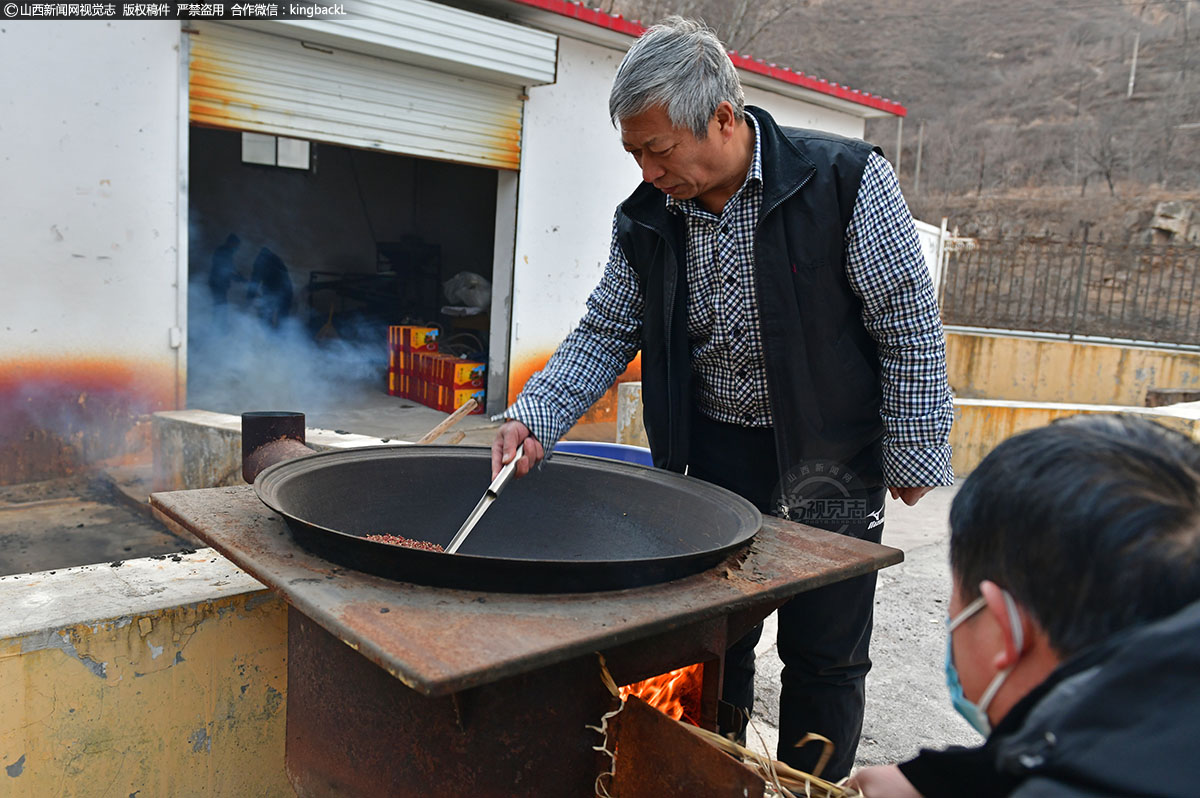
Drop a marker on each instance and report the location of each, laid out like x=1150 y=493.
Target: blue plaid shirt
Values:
x=885 y=268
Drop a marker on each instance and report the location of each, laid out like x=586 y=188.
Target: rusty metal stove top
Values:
x=440 y=641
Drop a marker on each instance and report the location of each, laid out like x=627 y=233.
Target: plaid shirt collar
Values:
x=753 y=174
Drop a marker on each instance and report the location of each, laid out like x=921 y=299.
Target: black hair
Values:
x=1091 y=523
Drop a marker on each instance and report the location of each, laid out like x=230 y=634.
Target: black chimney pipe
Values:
x=269 y=437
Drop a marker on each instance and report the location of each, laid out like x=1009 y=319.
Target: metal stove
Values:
x=399 y=689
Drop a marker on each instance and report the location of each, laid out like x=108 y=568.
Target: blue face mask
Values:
x=976 y=714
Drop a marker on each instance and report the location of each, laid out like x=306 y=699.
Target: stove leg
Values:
x=710 y=692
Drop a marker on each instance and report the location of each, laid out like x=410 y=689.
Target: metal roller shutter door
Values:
x=248 y=80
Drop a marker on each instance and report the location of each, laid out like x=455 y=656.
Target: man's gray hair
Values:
x=681 y=65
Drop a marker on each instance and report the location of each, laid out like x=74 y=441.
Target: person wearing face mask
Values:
x=1073 y=643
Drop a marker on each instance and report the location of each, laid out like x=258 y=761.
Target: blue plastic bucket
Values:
x=612 y=451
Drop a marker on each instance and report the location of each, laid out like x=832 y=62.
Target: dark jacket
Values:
x=1122 y=718
x=821 y=364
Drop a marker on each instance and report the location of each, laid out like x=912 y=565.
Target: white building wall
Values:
x=89 y=212
x=573 y=174
x=794 y=113
x=932 y=239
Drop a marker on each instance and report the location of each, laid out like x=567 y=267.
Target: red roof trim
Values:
x=616 y=22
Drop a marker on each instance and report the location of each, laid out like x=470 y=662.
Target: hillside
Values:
x=1025 y=108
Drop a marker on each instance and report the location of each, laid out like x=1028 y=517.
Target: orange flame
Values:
x=676 y=693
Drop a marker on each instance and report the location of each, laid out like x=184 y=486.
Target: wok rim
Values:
x=270 y=479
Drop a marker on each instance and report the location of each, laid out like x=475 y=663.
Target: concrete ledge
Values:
x=94 y=594
x=161 y=676
x=201 y=449
x=1023 y=368
x=981 y=424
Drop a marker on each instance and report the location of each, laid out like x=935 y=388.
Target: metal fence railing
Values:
x=1079 y=288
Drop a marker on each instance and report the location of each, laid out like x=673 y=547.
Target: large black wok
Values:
x=579 y=524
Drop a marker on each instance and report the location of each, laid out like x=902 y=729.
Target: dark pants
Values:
x=824 y=634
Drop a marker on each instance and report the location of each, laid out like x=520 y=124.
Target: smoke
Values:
x=58 y=415
x=242 y=356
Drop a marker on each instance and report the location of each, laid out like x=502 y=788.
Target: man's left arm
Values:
x=887 y=271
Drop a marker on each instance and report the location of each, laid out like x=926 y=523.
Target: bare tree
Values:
x=739 y=23
x=947 y=154
x=1159 y=133
x=651 y=11
x=1010 y=101
x=745 y=21
x=1100 y=147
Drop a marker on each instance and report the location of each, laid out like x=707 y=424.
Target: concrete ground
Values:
x=361 y=408
x=364 y=409
x=80 y=520
x=908 y=707
x=375 y=413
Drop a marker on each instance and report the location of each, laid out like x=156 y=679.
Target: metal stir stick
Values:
x=489 y=496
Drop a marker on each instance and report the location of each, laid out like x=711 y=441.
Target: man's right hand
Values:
x=513 y=439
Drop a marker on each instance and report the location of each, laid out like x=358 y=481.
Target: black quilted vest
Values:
x=822 y=365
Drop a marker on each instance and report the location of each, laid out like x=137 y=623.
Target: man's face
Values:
x=672 y=159
x=972 y=644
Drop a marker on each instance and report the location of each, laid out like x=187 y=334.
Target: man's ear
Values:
x=725 y=118
x=1001 y=613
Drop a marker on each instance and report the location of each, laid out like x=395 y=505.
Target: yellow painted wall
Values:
x=187 y=701
x=1029 y=370
x=1005 y=385
x=980 y=425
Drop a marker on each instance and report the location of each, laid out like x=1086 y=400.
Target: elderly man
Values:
x=791 y=346
x=1074 y=637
